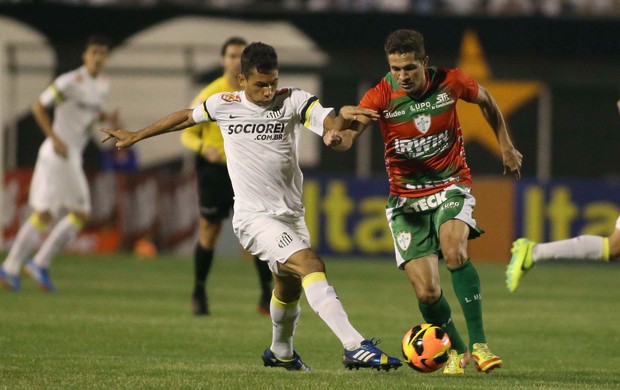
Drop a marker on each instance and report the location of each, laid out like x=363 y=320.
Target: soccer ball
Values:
x=425 y=347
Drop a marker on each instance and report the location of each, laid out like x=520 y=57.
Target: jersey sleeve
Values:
x=58 y=91
x=205 y=112
x=373 y=99
x=465 y=86
x=311 y=113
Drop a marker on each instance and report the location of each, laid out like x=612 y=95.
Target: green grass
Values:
x=120 y=322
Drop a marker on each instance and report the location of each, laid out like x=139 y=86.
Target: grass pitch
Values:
x=124 y=323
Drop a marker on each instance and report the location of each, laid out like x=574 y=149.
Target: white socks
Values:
x=324 y=301
x=577 y=248
x=25 y=243
x=64 y=231
x=284 y=318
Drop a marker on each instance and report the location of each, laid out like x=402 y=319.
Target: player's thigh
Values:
x=74 y=191
x=413 y=234
x=272 y=239
x=58 y=182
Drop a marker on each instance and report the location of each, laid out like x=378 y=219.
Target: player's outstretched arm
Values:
x=176 y=121
x=511 y=156
x=340 y=132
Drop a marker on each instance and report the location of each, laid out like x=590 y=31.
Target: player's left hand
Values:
x=355 y=113
x=512 y=161
x=124 y=138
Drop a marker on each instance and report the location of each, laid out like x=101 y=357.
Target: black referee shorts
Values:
x=215 y=192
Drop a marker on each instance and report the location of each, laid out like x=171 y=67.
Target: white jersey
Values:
x=261 y=147
x=78 y=99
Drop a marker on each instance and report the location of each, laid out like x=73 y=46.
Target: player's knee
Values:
x=43 y=217
x=428 y=295
x=79 y=218
x=454 y=256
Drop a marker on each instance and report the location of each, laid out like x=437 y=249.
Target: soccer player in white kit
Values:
x=59 y=183
x=260 y=127
x=526 y=253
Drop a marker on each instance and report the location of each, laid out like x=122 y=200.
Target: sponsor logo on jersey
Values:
x=284 y=239
x=230 y=97
x=256 y=128
x=393 y=114
x=430 y=184
x=443 y=99
x=417 y=107
x=430 y=202
x=273 y=131
x=422 y=122
x=423 y=147
x=404 y=240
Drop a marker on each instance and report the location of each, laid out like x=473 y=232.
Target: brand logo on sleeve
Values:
x=230 y=97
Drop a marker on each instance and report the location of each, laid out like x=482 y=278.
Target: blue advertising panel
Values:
x=560 y=209
x=346 y=215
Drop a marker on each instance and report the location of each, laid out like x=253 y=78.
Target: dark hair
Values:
x=260 y=56
x=405 y=41
x=232 y=41
x=97 y=39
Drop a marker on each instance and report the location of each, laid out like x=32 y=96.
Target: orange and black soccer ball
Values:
x=425 y=347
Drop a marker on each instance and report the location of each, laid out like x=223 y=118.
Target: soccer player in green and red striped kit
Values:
x=430 y=205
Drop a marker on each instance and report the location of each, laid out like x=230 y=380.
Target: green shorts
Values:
x=415 y=222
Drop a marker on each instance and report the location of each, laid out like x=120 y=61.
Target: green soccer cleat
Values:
x=520 y=262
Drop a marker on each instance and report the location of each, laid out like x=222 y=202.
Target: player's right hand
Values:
x=59 y=147
x=124 y=138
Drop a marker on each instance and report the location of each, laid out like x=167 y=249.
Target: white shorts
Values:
x=59 y=183
x=272 y=239
x=618 y=223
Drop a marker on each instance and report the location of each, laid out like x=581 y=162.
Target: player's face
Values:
x=409 y=71
x=260 y=88
x=231 y=62
x=94 y=58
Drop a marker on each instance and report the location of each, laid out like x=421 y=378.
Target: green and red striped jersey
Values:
x=422 y=137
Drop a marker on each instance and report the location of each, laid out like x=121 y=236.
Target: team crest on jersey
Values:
x=404 y=240
x=230 y=97
x=422 y=122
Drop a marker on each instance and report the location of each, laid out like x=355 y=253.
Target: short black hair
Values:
x=232 y=41
x=97 y=39
x=260 y=56
x=405 y=41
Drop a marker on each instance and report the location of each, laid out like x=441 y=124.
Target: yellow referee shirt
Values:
x=198 y=137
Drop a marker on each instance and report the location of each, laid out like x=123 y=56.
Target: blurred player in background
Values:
x=260 y=127
x=430 y=204
x=214 y=188
x=59 y=183
x=526 y=253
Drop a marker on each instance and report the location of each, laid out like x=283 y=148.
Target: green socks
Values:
x=439 y=313
x=466 y=285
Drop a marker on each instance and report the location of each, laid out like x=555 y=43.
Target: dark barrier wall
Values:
x=577 y=60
